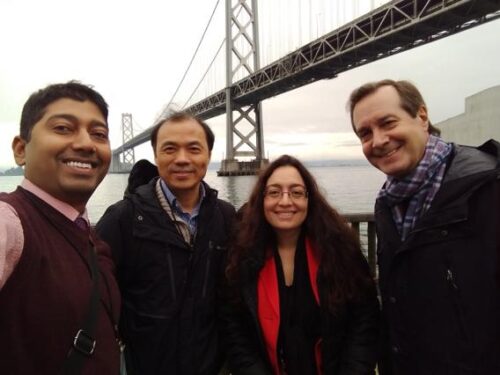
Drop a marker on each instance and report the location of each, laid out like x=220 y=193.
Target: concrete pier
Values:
x=233 y=167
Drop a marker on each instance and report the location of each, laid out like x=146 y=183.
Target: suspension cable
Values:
x=192 y=59
x=204 y=75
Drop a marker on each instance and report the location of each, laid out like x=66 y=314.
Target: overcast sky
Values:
x=135 y=53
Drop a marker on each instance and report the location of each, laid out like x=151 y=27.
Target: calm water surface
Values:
x=350 y=189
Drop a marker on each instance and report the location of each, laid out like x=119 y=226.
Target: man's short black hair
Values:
x=179 y=116
x=37 y=103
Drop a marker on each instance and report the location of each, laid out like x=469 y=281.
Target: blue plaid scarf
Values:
x=418 y=188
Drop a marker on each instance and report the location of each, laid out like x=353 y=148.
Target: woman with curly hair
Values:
x=301 y=300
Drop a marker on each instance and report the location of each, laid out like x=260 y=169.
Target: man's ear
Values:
x=424 y=118
x=19 y=150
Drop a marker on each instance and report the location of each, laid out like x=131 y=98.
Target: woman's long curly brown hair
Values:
x=343 y=273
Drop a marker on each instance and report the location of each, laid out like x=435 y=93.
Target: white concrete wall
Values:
x=480 y=122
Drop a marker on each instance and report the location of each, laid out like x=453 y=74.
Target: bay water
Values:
x=349 y=187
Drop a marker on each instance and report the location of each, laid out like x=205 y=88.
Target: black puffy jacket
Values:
x=169 y=288
x=349 y=337
x=440 y=287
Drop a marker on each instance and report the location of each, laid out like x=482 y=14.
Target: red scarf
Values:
x=268 y=305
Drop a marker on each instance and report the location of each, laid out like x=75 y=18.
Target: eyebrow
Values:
x=290 y=186
x=377 y=121
x=384 y=118
x=192 y=143
x=72 y=118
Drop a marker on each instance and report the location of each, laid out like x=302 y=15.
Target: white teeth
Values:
x=285 y=215
x=391 y=153
x=77 y=164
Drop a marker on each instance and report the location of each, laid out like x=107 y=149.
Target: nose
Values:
x=182 y=156
x=285 y=198
x=83 y=141
x=379 y=138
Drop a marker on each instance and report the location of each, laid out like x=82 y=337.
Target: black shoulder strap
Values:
x=84 y=341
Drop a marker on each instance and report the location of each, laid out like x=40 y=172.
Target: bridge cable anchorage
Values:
x=190 y=63
x=205 y=74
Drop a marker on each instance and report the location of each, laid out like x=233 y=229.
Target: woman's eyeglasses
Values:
x=295 y=193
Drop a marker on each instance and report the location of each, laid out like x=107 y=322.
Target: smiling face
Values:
x=392 y=140
x=285 y=213
x=182 y=156
x=68 y=153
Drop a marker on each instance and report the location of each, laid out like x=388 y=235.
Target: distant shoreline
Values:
x=18 y=171
x=14 y=171
x=317 y=163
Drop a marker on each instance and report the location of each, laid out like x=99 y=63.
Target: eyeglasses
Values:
x=295 y=194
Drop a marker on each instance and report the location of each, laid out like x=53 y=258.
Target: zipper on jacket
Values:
x=207 y=268
x=171 y=272
x=451 y=279
x=282 y=363
x=188 y=272
x=455 y=291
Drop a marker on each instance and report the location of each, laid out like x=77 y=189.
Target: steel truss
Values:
x=392 y=28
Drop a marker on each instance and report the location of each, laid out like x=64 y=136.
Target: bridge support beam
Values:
x=128 y=156
x=244 y=122
x=127 y=160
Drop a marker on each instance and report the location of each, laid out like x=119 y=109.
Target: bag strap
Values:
x=84 y=342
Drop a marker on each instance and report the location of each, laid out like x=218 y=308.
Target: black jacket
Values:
x=348 y=339
x=440 y=287
x=169 y=288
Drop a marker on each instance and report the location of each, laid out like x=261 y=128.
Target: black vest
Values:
x=43 y=303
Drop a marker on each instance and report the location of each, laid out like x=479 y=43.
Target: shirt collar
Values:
x=172 y=199
x=64 y=208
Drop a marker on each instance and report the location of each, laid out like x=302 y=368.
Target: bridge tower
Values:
x=127 y=135
x=242 y=58
x=127 y=156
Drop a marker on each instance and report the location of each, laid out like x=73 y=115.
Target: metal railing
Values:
x=357 y=220
x=360 y=221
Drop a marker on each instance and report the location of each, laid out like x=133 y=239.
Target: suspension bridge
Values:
x=372 y=33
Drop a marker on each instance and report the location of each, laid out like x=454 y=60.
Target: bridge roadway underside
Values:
x=390 y=29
